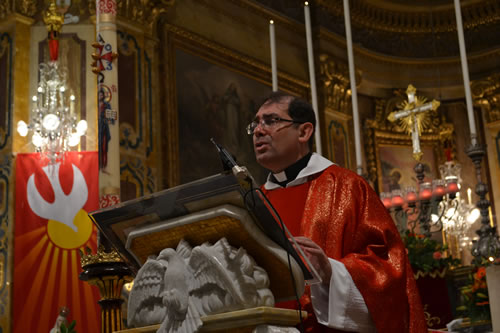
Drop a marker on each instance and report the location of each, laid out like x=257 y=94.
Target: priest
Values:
x=341 y=225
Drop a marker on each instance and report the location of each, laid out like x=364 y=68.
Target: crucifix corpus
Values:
x=413 y=118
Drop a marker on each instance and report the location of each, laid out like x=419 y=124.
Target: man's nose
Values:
x=259 y=130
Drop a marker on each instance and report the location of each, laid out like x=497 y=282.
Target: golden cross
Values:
x=413 y=118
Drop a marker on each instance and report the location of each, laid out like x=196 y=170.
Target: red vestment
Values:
x=345 y=217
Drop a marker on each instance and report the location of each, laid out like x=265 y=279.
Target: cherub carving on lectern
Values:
x=180 y=286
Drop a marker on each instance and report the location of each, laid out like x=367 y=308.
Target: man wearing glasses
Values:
x=341 y=225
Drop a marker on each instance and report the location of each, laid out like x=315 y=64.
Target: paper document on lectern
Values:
x=205 y=211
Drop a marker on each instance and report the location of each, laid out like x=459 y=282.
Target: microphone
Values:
x=229 y=164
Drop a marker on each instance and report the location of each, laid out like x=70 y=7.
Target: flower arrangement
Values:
x=425 y=254
x=475 y=302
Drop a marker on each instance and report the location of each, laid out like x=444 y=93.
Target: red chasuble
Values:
x=345 y=217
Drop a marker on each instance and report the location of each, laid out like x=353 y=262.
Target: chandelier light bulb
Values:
x=81 y=127
x=50 y=122
x=74 y=139
x=473 y=215
x=22 y=128
x=72 y=97
x=40 y=90
x=37 y=140
x=62 y=89
x=34 y=98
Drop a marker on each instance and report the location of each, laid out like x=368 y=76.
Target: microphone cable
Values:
x=285 y=238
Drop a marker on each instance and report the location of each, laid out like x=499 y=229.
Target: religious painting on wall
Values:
x=396 y=165
x=218 y=108
x=212 y=92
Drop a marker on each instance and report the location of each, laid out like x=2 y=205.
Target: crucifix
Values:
x=412 y=117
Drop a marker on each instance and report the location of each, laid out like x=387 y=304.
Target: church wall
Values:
x=140 y=148
x=14 y=52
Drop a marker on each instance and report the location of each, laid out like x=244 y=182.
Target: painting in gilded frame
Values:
x=218 y=108
x=214 y=92
x=396 y=163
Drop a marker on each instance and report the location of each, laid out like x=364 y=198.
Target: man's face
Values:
x=276 y=147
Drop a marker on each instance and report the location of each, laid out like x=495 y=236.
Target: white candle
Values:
x=40 y=97
x=34 y=104
x=274 y=69
x=72 y=105
x=469 y=196
x=465 y=73
x=354 y=92
x=312 y=75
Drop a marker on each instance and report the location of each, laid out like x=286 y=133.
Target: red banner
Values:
x=51 y=224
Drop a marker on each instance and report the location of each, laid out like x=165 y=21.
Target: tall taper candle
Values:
x=312 y=75
x=72 y=105
x=465 y=73
x=274 y=70
x=354 y=92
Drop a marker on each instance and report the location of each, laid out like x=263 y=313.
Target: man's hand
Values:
x=317 y=257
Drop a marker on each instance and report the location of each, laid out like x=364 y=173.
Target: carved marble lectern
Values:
x=208 y=256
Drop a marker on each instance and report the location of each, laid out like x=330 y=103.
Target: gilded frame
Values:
x=177 y=38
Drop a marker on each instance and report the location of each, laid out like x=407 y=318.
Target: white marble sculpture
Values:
x=180 y=286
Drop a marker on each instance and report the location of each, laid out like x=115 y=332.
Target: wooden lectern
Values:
x=205 y=211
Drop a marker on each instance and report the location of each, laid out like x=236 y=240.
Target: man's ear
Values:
x=305 y=132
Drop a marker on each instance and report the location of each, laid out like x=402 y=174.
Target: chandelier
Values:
x=458 y=217
x=53 y=123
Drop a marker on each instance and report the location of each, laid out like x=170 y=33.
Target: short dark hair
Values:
x=298 y=109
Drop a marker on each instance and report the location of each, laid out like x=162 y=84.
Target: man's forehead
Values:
x=274 y=109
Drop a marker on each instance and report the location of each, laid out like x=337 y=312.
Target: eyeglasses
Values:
x=268 y=122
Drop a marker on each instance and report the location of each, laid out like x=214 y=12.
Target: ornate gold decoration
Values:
x=486 y=95
x=433 y=274
x=53 y=19
x=413 y=117
x=26 y=7
x=143 y=12
x=4 y=9
x=439 y=133
x=240 y=321
x=384 y=16
x=431 y=321
x=100 y=257
x=336 y=86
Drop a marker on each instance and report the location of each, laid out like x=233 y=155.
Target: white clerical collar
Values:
x=280 y=176
x=316 y=164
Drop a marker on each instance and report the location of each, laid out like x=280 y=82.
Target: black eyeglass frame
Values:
x=269 y=122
